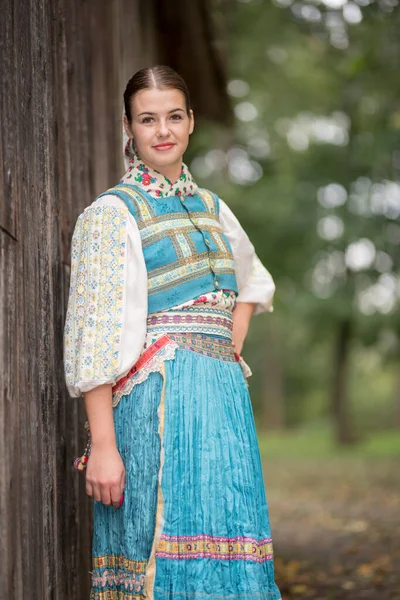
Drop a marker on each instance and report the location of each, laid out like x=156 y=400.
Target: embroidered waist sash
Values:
x=196 y=319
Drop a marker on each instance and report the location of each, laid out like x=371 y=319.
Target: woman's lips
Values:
x=163 y=146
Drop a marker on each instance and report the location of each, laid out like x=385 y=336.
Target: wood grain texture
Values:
x=63 y=66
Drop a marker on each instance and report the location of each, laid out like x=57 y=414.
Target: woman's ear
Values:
x=127 y=127
x=191 y=127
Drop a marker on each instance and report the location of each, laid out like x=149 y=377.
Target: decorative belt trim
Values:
x=111 y=571
x=114 y=595
x=129 y=576
x=211 y=321
x=208 y=546
x=115 y=560
x=208 y=345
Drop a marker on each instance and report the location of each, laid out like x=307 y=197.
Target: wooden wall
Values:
x=63 y=65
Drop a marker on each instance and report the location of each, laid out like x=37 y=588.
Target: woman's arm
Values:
x=104 y=330
x=241 y=319
x=105 y=324
x=105 y=472
x=255 y=283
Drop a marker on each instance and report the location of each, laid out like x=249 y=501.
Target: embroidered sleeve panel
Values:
x=92 y=334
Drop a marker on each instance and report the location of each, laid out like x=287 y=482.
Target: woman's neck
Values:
x=171 y=172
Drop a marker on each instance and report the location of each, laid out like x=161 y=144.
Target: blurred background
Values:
x=310 y=164
x=297 y=110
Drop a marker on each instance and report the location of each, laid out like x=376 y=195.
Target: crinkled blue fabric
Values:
x=212 y=483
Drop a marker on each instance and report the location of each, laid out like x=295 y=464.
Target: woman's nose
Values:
x=163 y=128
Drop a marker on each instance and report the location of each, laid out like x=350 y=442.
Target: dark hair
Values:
x=159 y=77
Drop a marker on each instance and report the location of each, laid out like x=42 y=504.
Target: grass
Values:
x=319 y=444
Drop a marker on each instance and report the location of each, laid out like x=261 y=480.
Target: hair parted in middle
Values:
x=159 y=77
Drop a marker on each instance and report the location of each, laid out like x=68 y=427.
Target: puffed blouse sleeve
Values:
x=105 y=323
x=255 y=283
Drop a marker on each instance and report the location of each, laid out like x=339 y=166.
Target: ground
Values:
x=335 y=519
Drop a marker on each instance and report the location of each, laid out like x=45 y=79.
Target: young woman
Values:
x=164 y=281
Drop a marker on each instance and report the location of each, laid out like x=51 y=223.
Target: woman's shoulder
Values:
x=108 y=199
x=107 y=212
x=206 y=191
x=103 y=205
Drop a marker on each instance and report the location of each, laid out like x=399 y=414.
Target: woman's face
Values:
x=160 y=128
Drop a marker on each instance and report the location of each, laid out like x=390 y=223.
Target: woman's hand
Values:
x=241 y=319
x=105 y=474
x=105 y=470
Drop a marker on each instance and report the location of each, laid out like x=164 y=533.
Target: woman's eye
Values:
x=175 y=117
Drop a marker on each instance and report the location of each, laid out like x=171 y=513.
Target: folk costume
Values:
x=157 y=269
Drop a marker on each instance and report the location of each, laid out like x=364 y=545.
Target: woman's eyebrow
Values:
x=152 y=114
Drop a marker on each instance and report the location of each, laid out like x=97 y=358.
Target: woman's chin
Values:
x=165 y=157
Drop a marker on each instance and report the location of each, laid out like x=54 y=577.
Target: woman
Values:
x=163 y=284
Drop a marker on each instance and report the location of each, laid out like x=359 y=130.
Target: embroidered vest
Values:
x=184 y=247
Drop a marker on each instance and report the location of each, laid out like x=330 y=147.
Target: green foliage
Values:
x=326 y=96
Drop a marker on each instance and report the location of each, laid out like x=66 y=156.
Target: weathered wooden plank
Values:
x=9 y=119
x=72 y=163
x=10 y=548
x=29 y=524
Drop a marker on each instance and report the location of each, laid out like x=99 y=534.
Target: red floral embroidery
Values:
x=200 y=299
x=146 y=179
x=161 y=186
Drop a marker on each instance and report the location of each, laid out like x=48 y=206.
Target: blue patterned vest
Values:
x=184 y=247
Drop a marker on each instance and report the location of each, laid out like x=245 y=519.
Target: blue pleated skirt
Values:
x=194 y=523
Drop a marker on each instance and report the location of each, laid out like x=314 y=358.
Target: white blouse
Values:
x=104 y=333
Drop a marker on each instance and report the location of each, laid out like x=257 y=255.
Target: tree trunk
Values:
x=340 y=408
x=189 y=45
x=273 y=413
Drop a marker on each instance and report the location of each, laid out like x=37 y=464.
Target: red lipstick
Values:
x=166 y=146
